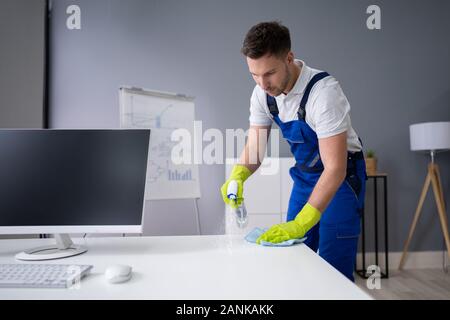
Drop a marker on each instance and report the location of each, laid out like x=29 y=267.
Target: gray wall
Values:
x=393 y=77
x=22 y=65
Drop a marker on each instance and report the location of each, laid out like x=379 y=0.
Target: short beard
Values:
x=286 y=81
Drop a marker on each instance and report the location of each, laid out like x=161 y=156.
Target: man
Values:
x=312 y=113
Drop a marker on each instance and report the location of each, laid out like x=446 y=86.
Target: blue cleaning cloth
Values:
x=255 y=233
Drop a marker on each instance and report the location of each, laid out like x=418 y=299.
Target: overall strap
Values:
x=302 y=110
x=272 y=104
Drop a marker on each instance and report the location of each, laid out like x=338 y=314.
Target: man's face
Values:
x=271 y=73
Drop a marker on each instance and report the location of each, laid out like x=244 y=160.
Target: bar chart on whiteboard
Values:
x=163 y=113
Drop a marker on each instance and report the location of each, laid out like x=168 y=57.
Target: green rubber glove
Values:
x=295 y=229
x=239 y=173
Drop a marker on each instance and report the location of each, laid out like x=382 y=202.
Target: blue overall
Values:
x=336 y=235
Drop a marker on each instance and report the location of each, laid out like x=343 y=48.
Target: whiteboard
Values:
x=162 y=112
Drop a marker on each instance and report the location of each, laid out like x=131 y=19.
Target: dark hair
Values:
x=266 y=37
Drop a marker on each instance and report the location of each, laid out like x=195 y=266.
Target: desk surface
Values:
x=192 y=267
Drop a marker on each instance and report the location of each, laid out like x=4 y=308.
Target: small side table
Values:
x=363 y=272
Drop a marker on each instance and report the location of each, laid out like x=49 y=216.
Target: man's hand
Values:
x=282 y=232
x=296 y=229
x=239 y=173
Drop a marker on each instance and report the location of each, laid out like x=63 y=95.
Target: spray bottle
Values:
x=240 y=211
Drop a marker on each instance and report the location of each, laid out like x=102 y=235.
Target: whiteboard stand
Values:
x=197 y=214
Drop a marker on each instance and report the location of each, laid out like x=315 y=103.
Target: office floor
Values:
x=411 y=284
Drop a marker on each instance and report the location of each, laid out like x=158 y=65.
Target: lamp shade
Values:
x=430 y=136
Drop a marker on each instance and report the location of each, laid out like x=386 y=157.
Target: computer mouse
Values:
x=118 y=273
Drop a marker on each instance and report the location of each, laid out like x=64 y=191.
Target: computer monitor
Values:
x=71 y=181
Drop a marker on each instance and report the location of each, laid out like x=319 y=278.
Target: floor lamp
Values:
x=432 y=137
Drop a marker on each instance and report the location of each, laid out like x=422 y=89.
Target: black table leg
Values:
x=363 y=242
x=376 y=220
x=386 y=251
x=363 y=272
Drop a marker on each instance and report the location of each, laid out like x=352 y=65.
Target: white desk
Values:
x=193 y=267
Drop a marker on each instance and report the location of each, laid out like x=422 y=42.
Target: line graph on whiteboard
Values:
x=162 y=113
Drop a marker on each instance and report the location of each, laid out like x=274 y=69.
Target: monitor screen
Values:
x=71 y=178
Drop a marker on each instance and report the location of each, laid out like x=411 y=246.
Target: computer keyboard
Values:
x=41 y=275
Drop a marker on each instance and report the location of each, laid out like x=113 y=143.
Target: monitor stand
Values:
x=63 y=248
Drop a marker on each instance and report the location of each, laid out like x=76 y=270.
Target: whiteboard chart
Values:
x=162 y=113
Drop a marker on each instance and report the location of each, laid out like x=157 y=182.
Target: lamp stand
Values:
x=434 y=178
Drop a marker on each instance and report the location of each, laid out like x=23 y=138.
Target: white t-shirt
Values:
x=327 y=109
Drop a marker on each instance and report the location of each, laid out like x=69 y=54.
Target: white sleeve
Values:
x=330 y=111
x=258 y=114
